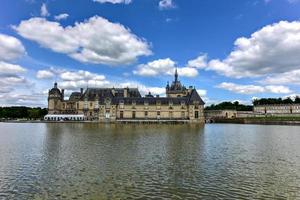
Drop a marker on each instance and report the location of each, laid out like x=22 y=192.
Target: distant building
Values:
x=181 y=104
x=220 y=114
x=278 y=109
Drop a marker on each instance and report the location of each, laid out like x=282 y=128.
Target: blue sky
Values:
x=227 y=49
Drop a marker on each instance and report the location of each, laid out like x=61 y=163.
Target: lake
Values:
x=109 y=161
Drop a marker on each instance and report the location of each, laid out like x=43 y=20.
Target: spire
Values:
x=55 y=85
x=176 y=75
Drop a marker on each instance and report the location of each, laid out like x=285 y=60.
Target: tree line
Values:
x=227 y=105
x=266 y=101
x=22 y=112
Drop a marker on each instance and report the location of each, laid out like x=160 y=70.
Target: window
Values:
x=196 y=114
x=133 y=104
x=182 y=105
x=158 y=113
x=183 y=115
x=146 y=114
x=133 y=115
x=121 y=104
x=146 y=103
x=170 y=114
x=91 y=113
x=121 y=115
x=91 y=104
x=77 y=105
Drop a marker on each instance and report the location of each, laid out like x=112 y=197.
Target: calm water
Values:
x=92 y=161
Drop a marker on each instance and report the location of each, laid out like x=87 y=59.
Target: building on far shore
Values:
x=274 y=110
x=278 y=109
x=181 y=104
x=220 y=114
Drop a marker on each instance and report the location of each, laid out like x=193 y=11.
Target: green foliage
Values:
x=266 y=101
x=22 y=112
x=230 y=106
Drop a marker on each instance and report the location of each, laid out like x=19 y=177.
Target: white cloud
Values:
x=164 y=67
x=289 y=1
x=95 y=40
x=45 y=74
x=166 y=4
x=200 y=62
x=187 y=72
x=291 y=77
x=202 y=92
x=13 y=80
x=81 y=75
x=72 y=80
x=44 y=10
x=114 y=1
x=277 y=89
x=271 y=50
x=10 y=69
x=10 y=48
x=61 y=16
x=254 y=89
x=16 y=99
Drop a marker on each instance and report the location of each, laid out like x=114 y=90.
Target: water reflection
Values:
x=111 y=161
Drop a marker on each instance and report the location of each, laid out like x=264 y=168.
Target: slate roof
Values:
x=116 y=97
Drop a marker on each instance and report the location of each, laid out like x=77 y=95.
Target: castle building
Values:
x=181 y=104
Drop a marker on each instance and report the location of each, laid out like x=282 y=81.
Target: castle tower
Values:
x=55 y=98
x=176 y=89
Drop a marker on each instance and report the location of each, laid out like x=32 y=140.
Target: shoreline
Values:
x=216 y=121
x=258 y=121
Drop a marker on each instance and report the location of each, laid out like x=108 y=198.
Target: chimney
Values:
x=113 y=91
x=81 y=90
x=63 y=94
x=126 y=92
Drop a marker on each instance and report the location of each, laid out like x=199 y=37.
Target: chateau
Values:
x=181 y=104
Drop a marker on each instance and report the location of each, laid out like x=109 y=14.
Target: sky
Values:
x=229 y=50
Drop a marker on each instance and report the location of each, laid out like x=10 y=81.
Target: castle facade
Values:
x=181 y=104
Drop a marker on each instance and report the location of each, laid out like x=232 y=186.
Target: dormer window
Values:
x=133 y=104
x=121 y=103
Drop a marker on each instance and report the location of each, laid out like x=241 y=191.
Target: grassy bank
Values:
x=263 y=120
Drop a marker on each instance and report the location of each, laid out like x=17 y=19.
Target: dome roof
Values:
x=55 y=90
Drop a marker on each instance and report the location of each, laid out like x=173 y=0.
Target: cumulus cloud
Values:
x=81 y=75
x=61 y=16
x=10 y=69
x=166 y=4
x=10 y=48
x=114 y=1
x=15 y=99
x=95 y=40
x=72 y=80
x=254 y=89
x=44 y=10
x=271 y=50
x=291 y=77
x=10 y=74
x=164 y=67
x=200 y=62
x=45 y=74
